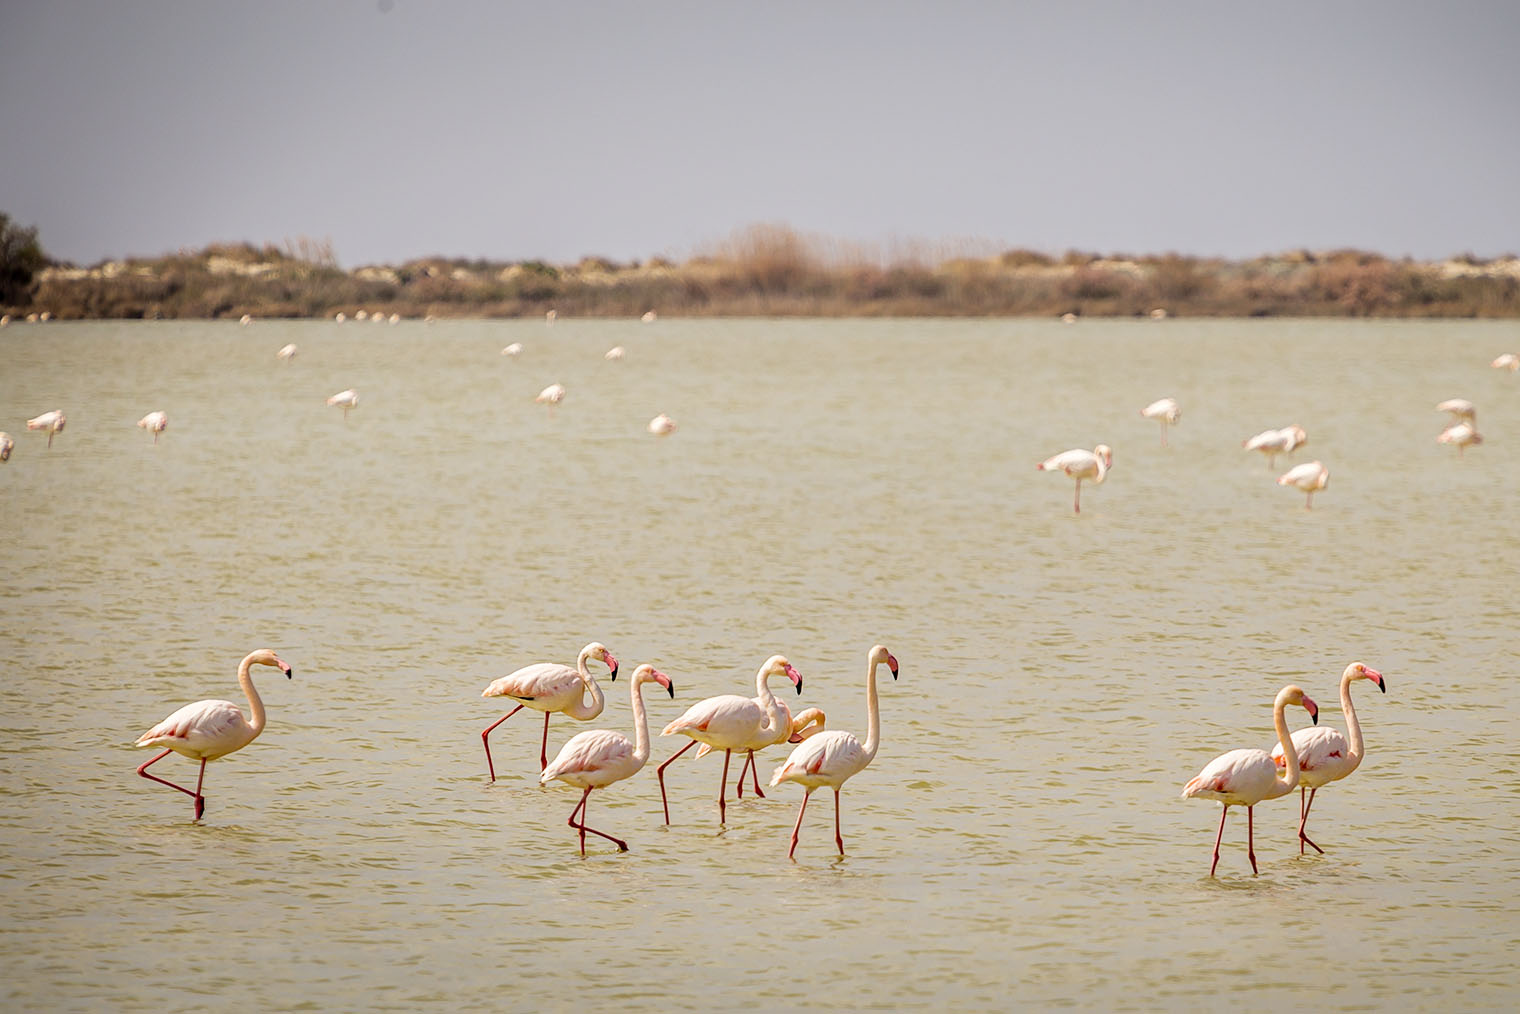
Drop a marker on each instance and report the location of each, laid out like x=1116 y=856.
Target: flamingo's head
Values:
x=880 y=654
x=777 y=665
x=647 y=673
x=598 y=651
x=1294 y=695
x=1358 y=670
x=266 y=656
x=1106 y=453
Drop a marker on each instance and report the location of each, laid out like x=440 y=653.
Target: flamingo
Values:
x=1463 y=434
x=245 y=319
x=207 y=730
x=1324 y=756
x=1508 y=361
x=598 y=757
x=551 y=396
x=1079 y=464
x=1246 y=777
x=6 y=446
x=550 y=687
x=729 y=722
x=288 y=352
x=830 y=758
x=614 y=354
x=340 y=316
x=345 y=400
x=793 y=729
x=53 y=422
x=550 y=316
x=662 y=425
x=1309 y=477
x=155 y=423
x=649 y=317
x=1165 y=410
x=1461 y=410
x=515 y=349
x=1275 y=442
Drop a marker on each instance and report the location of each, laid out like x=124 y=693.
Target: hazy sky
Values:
x=507 y=130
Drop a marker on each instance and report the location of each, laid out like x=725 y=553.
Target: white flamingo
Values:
x=155 y=423
x=662 y=425
x=599 y=757
x=1461 y=410
x=649 y=317
x=729 y=722
x=551 y=396
x=1507 y=361
x=1246 y=777
x=345 y=400
x=550 y=687
x=207 y=730
x=245 y=319
x=6 y=446
x=1080 y=464
x=1308 y=478
x=515 y=349
x=831 y=758
x=614 y=354
x=53 y=422
x=1324 y=755
x=549 y=317
x=1275 y=442
x=1463 y=434
x=1167 y=411
x=288 y=352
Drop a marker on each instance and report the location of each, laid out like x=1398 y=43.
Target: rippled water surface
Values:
x=1019 y=838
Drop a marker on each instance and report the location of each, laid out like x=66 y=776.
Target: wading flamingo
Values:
x=1167 y=411
x=207 y=730
x=550 y=687
x=1275 y=442
x=1079 y=464
x=1324 y=756
x=1246 y=777
x=729 y=722
x=53 y=422
x=599 y=757
x=1461 y=410
x=288 y=352
x=6 y=446
x=662 y=425
x=1508 y=361
x=551 y=396
x=345 y=400
x=1308 y=478
x=155 y=423
x=1463 y=434
x=550 y=315
x=614 y=354
x=515 y=349
x=830 y=758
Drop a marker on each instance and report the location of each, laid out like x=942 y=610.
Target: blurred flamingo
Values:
x=1167 y=411
x=345 y=400
x=662 y=425
x=1308 y=478
x=6 y=446
x=1507 y=361
x=1461 y=410
x=1463 y=434
x=53 y=422
x=551 y=396
x=288 y=352
x=155 y=423
x=1079 y=464
x=1275 y=442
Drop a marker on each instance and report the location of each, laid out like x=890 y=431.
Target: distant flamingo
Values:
x=288 y=352
x=1165 y=410
x=832 y=758
x=345 y=400
x=729 y=722
x=6 y=446
x=1246 y=777
x=245 y=319
x=662 y=425
x=551 y=396
x=550 y=316
x=155 y=423
x=207 y=730
x=1308 y=478
x=615 y=353
x=1275 y=442
x=1079 y=464
x=1324 y=756
x=53 y=422
x=649 y=317
x=598 y=757
x=1508 y=361
x=550 y=687
x=1463 y=434
x=1461 y=410
x=515 y=349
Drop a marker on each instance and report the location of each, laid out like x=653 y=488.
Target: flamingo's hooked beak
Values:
x=286 y=669
x=1312 y=709
x=892 y=664
x=795 y=676
x=612 y=663
x=1377 y=678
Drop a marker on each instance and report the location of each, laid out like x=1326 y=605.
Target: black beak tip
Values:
x=894 y=674
x=671 y=690
x=614 y=674
x=1383 y=685
x=799 y=687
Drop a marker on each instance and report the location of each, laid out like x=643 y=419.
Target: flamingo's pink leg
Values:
x=1304 y=819
x=485 y=737
x=798 y=826
x=581 y=809
x=1076 y=503
x=1217 y=839
x=1251 y=837
x=200 y=804
x=660 y=771
x=754 y=772
x=838 y=838
x=739 y=783
x=543 y=750
x=723 y=788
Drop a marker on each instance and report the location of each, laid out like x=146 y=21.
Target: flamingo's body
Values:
x=832 y=758
x=550 y=315
x=1275 y=442
x=1247 y=777
x=550 y=687
x=345 y=400
x=729 y=722
x=515 y=349
x=1463 y=434
x=614 y=354
x=155 y=423
x=1166 y=411
x=1308 y=478
x=796 y=728
x=207 y=730
x=551 y=396
x=1461 y=410
x=6 y=446
x=649 y=317
x=1324 y=755
x=1080 y=464
x=599 y=757
x=662 y=425
x=53 y=422
x=288 y=352
x=1508 y=361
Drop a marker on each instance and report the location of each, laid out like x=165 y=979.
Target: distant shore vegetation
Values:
x=761 y=271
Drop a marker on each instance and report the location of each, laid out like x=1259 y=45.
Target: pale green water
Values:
x=1018 y=839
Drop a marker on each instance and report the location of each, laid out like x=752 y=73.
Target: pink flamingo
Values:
x=550 y=687
x=207 y=730
x=551 y=396
x=1324 y=756
x=831 y=758
x=345 y=400
x=598 y=757
x=794 y=729
x=729 y=722
x=6 y=446
x=1275 y=442
x=1079 y=464
x=1507 y=361
x=53 y=422
x=1246 y=777
x=1461 y=410
x=1165 y=410
x=155 y=423
x=1308 y=478
x=1464 y=434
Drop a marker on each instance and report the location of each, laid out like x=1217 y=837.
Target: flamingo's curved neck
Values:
x=640 y=723
x=1353 y=727
x=580 y=709
x=255 y=703
x=873 y=716
x=776 y=712
x=1288 y=781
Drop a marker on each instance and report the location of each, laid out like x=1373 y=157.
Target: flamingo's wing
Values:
x=1242 y=773
x=531 y=682
x=1070 y=462
x=832 y=755
x=1318 y=747
x=197 y=727
x=1267 y=440
x=718 y=719
x=589 y=752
